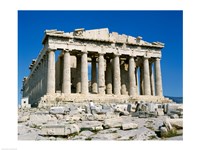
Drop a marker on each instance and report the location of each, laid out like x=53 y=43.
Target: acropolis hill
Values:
x=123 y=68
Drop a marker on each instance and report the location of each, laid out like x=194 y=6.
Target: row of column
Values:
x=82 y=76
x=36 y=85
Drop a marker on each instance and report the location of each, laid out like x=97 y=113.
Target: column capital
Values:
x=50 y=49
x=146 y=57
x=131 y=56
x=157 y=58
x=84 y=52
x=100 y=54
x=116 y=54
x=66 y=50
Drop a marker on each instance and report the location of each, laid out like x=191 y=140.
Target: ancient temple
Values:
x=121 y=68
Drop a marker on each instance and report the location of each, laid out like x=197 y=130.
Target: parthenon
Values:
x=94 y=65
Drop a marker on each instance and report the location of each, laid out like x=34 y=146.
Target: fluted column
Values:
x=94 y=76
x=152 y=79
x=78 y=76
x=51 y=73
x=136 y=79
x=158 y=80
x=108 y=77
x=147 y=89
x=117 y=80
x=84 y=73
x=141 y=80
x=66 y=87
x=132 y=81
x=124 y=76
x=101 y=75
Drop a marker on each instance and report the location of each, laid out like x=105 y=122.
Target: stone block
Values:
x=100 y=34
x=177 y=123
x=167 y=124
x=108 y=136
x=114 y=36
x=58 y=110
x=90 y=125
x=122 y=38
x=41 y=118
x=86 y=133
x=174 y=108
x=23 y=119
x=174 y=116
x=151 y=107
x=131 y=107
x=120 y=107
x=124 y=113
x=74 y=112
x=113 y=123
x=59 y=130
x=100 y=117
x=160 y=112
x=127 y=126
x=131 y=40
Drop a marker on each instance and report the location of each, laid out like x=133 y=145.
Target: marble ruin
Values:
x=122 y=68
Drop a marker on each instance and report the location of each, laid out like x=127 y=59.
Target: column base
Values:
x=60 y=99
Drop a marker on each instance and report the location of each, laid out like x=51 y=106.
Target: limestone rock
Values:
x=86 y=133
x=113 y=123
x=177 y=123
x=160 y=112
x=41 y=118
x=109 y=136
x=90 y=125
x=131 y=108
x=120 y=107
x=23 y=119
x=174 y=116
x=163 y=131
x=59 y=130
x=127 y=126
x=139 y=134
x=58 y=110
x=124 y=113
x=174 y=108
x=167 y=124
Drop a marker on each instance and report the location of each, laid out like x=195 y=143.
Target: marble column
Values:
x=124 y=77
x=45 y=74
x=78 y=76
x=51 y=73
x=158 y=78
x=147 y=89
x=141 y=80
x=84 y=73
x=152 y=79
x=66 y=87
x=94 y=76
x=101 y=75
x=136 y=79
x=132 y=81
x=116 y=71
x=108 y=77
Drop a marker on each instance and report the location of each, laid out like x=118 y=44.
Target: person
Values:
x=92 y=107
x=137 y=106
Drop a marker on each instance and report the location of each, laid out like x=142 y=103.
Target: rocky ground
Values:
x=89 y=121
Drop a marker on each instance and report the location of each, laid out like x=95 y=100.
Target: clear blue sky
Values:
x=163 y=26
